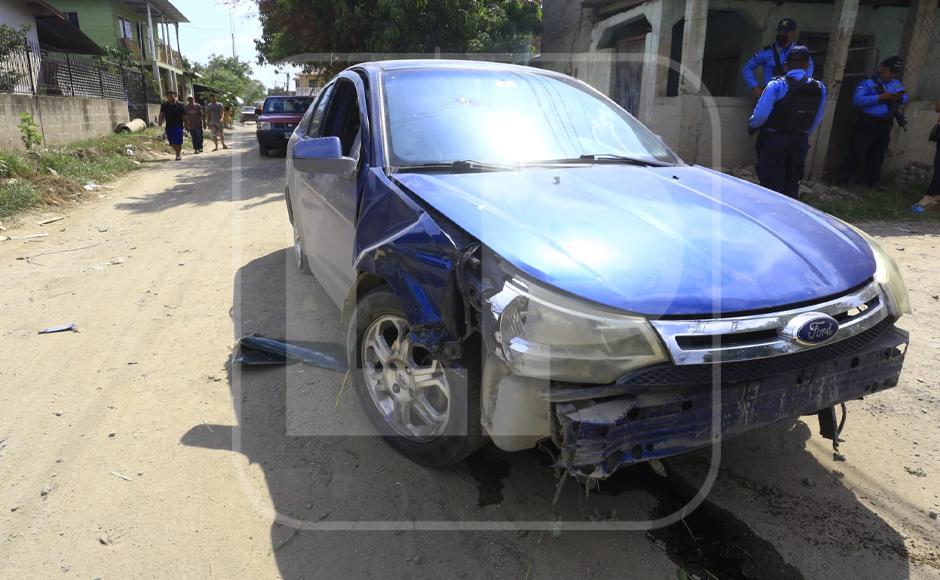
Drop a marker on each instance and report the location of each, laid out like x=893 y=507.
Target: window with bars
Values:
x=125 y=28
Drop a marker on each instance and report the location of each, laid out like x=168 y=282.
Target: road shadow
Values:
x=319 y=461
x=215 y=177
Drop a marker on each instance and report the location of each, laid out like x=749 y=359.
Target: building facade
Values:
x=676 y=64
x=147 y=29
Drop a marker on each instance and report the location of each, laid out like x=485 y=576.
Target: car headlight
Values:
x=545 y=334
x=888 y=276
x=264 y=125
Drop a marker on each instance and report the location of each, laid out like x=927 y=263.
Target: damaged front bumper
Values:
x=667 y=409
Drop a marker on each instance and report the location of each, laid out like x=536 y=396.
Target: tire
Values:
x=300 y=257
x=262 y=150
x=461 y=435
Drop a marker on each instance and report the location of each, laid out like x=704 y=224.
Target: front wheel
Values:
x=428 y=410
x=262 y=150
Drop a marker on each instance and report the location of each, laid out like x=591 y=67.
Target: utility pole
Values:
x=231 y=26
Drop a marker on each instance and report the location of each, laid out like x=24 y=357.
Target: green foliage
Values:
x=228 y=74
x=894 y=203
x=12 y=40
x=29 y=132
x=16 y=195
x=13 y=164
x=25 y=179
x=291 y=28
x=120 y=55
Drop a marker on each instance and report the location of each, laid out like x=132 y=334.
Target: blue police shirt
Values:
x=866 y=97
x=765 y=58
x=776 y=90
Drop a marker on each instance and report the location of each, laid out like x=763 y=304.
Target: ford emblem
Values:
x=812 y=328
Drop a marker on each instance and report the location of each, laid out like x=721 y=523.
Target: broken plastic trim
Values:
x=256 y=350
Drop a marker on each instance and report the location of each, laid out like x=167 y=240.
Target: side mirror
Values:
x=322 y=155
x=257 y=110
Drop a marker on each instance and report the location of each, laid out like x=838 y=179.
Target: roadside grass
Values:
x=17 y=195
x=892 y=204
x=55 y=175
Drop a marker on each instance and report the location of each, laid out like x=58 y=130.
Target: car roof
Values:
x=427 y=63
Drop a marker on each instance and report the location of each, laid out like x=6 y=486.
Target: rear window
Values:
x=287 y=105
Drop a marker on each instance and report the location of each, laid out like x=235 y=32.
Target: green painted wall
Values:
x=96 y=18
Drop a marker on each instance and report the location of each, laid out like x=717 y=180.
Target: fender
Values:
x=399 y=243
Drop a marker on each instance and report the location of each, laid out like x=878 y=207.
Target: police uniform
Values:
x=872 y=133
x=771 y=58
x=788 y=111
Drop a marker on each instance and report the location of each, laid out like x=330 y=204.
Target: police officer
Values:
x=877 y=99
x=787 y=112
x=772 y=57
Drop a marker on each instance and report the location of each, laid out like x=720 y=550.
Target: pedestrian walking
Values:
x=932 y=197
x=878 y=99
x=227 y=116
x=214 y=119
x=195 y=121
x=787 y=112
x=772 y=57
x=172 y=113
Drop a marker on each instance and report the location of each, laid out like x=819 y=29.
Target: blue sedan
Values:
x=518 y=260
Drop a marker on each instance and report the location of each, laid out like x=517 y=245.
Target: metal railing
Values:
x=35 y=70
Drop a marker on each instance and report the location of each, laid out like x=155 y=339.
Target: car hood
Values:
x=676 y=241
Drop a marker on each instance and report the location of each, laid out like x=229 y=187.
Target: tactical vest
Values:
x=796 y=111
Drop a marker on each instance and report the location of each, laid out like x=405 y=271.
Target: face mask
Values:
x=783 y=40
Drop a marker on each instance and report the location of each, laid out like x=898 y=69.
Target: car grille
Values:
x=284 y=126
x=760 y=336
x=732 y=372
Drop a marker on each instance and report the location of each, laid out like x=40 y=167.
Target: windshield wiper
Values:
x=602 y=158
x=461 y=166
x=614 y=158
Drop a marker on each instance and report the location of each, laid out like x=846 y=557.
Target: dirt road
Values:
x=133 y=449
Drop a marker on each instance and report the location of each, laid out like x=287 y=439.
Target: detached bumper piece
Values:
x=651 y=421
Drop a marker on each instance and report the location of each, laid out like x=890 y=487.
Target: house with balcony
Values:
x=146 y=30
x=676 y=65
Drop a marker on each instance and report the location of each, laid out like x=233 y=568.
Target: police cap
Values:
x=798 y=53
x=893 y=63
x=786 y=25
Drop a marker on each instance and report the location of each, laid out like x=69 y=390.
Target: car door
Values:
x=307 y=203
x=344 y=119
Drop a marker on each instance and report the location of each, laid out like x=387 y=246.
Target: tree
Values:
x=227 y=74
x=291 y=28
x=12 y=41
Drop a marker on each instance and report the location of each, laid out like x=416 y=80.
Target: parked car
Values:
x=247 y=114
x=277 y=118
x=519 y=259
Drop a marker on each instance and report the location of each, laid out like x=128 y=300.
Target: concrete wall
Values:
x=707 y=131
x=61 y=119
x=912 y=145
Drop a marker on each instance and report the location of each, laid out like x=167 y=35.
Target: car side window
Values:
x=343 y=120
x=316 y=119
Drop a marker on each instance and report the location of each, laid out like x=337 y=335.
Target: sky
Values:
x=208 y=33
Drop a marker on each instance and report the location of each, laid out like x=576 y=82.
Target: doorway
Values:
x=628 y=73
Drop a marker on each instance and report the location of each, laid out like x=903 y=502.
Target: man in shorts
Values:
x=214 y=114
x=172 y=112
x=195 y=121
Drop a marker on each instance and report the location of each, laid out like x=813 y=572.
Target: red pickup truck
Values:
x=277 y=119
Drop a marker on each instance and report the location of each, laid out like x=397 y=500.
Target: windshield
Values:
x=505 y=116
x=290 y=105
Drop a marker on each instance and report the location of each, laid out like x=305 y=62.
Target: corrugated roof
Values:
x=160 y=7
